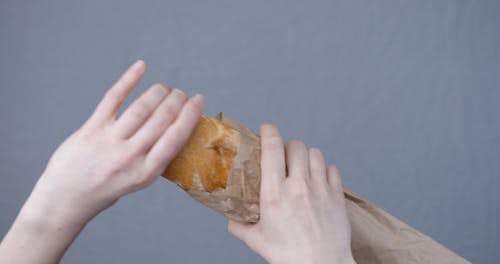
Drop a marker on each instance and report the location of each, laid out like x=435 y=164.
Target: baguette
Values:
x=205 y=161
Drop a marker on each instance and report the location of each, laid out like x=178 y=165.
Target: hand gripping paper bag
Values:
x=377 y=236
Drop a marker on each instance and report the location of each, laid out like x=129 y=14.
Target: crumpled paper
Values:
x=377 y=236
x=240 y=199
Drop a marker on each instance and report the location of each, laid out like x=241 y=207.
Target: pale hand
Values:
x=105 y=159
x=303 y=214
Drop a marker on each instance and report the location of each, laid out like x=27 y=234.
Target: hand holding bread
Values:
x=107 y=158
x=294 y=213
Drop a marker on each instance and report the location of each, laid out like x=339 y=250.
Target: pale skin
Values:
x=303 y=212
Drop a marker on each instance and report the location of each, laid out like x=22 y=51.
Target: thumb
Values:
x=239 y=230
x=246 y=233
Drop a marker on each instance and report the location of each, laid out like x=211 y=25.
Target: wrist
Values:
x=50 y=206
x=312 y=259
x=44 y=227
x=67 y=202
x=42 y=215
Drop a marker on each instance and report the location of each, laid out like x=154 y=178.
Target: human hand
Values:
x=303 y=214
x=109 y=157
x=105 y=159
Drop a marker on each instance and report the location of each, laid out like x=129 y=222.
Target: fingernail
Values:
x=197 y=99
x=167 y=87
x=139 y=64
x=178 y=90
x=164 y=89
x=267 y=124
x=268 y=129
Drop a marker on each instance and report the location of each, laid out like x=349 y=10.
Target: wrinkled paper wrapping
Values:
x=377 y=236
x=240 y=199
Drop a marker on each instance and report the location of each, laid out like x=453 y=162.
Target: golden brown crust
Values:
x=205 y=161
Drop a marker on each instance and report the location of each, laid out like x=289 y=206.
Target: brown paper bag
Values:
x=240 y=199
x=377 y=236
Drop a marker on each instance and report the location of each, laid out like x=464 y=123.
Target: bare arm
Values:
x=107 y=158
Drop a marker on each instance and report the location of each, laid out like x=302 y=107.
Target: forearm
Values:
x=105 y=159
x=40 y=233
x=315 y=259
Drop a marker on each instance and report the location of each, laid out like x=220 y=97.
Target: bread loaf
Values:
x=220 y=167
x=205 y=161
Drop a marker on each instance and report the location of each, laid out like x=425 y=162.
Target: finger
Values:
x=317 y=166
x=245 y=233
x=162 y=118
x=140 y=110
x=273 y=168
x=334 y=179
x=175 y=136
x=115 y=96
x=337 y=194
x=297 y=160
x=238 y=230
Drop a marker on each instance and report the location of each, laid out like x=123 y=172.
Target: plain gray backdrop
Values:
x=402 y=95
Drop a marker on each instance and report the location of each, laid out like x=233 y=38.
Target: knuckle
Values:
x=155 y=165
x=144 y=105
x=295 y=143
x=112 y=96
x=337 y=191
x=116 y=163
x=127 y=78
x=125 y=160
x=334 y=170
x=138 y=146
x=274 y=142
x=316 y=171
x=115 y=167
x=296 y=194
x=299 y=189
x=138 y=112
x=122 y=154
x=179 y=135
x=337 y=194
x=142 y=180
x=180 y=94
x=159 y=89
x=335 y=180
x=170 y=111
x=139 y=183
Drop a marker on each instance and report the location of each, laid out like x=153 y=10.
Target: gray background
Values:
x=402 y=95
